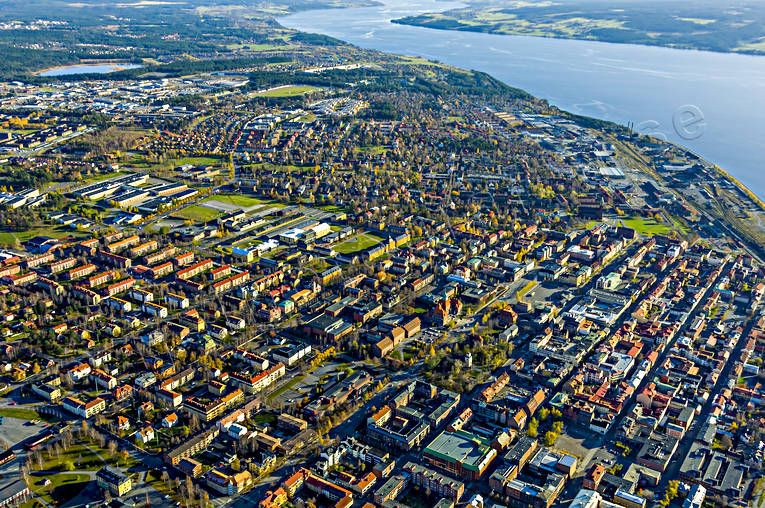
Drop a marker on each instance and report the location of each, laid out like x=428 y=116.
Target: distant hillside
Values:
x=737 y=26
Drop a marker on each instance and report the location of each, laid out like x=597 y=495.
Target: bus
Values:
x=39 y=440
x=6 y=457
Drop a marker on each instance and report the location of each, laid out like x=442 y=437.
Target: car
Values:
x=167 y=496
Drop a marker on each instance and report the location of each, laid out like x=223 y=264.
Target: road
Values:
x=684 y=446
x=663 y=355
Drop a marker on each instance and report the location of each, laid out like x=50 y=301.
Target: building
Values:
x=341 y=497
x=14 y=494
x=191 y=446
x=459 y=453
x=47 y=392
x=437 y=483
x=291 y=423
x=208 y=411
x=291 y=353
x=84 y=409
x=189 y=467
x=228 y=485
x=113 y=480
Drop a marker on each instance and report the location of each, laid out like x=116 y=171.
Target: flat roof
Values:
x=458 y=447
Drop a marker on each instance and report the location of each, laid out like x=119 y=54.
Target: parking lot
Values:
x=14 y=431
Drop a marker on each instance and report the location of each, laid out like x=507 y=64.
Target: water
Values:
x=647 y=85
x=87 y=69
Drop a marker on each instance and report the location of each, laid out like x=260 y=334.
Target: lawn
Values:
x=287 y=91
x=62 y=488
x=286 y=386
x=256 y=47
x=650 y=227
x=238 y=200
x=22 y=413
x=154 y=478
x=264 y=418
x=101 y=177
x=197 y=213
x=81 y=458
x=196 y=161
x=11 y=237
x=372 y=149
x=360 y=242
x=307 y=118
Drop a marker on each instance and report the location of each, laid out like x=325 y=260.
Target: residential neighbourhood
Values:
x=340 y=278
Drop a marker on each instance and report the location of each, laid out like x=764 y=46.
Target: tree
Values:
x=67 y=465
x=531 y=431
x=543 y=414
x=550 y=438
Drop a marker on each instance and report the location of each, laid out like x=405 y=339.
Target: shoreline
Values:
x=477 y=29
x=759 y=200
x=117 y=64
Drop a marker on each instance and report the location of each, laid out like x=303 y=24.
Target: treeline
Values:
x=169 y=70
x=450 y=82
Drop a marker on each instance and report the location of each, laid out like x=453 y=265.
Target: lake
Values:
x=86 y=69
x=712 y=103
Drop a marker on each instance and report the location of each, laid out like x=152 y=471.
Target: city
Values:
x=327 y=276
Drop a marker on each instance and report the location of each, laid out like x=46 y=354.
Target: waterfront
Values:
x=86 y=69
x=712 y=103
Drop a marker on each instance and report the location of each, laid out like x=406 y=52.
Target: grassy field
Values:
x=286 y=386
x=11 y=238
x=264 y=418
x=332 y=209
x=139 y=161
x=197 y=213
x=256 y=47
x=82 y=459
x=197 y=161
x=154 y=478
x=101 y=177
x=288 y=91
x=308 y=118
x=20 y=413
x=415 y=60
x=61 y=489
x=240 y=200
x=374 y=150
x=650 y=227
x=360 y=242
